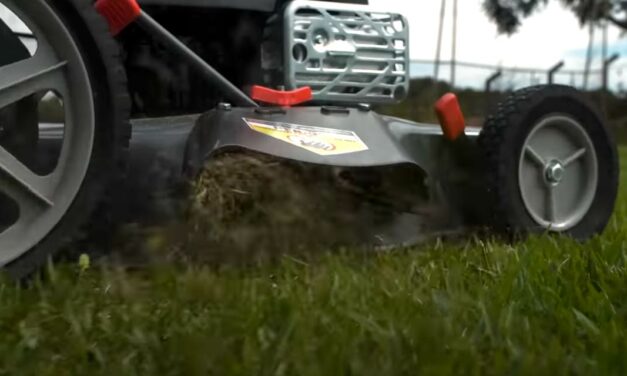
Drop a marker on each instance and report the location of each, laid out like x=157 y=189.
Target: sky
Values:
x=549 y=36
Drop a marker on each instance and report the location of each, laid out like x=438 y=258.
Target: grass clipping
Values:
x=251 y=207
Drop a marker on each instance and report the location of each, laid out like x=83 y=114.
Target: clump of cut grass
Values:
x=248 y=207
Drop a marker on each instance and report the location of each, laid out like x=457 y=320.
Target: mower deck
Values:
x=167 y=153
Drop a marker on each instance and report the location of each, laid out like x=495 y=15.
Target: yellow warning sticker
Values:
x=322 y=141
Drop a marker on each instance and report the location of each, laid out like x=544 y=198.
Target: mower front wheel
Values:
x=551 y=164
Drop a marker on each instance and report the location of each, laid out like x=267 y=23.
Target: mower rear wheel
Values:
x=551 y=164
x=77 y=60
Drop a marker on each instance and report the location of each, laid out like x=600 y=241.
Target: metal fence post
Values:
x=488 y=88
x=606 y=73
x=553 y=70
x=606 y=69
x=491 y=79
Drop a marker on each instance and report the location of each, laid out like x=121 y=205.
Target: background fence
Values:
x=494 y=77
x=480 y=86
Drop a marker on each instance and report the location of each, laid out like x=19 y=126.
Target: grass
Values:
x=545 y=306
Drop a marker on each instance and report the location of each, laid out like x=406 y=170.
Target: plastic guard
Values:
x=281 y=98
x=451 y=117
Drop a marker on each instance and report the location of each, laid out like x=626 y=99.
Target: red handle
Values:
x=281 y=98
x=451 y=117
x=118 y=13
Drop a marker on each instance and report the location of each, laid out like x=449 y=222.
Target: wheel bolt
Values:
x=554 y=172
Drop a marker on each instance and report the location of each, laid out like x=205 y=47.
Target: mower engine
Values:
x=344 y=53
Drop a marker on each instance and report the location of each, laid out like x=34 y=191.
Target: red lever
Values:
x=451 y=117
x=281 y=98
x=118 y=13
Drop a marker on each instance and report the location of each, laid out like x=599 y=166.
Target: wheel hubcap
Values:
x=58 y=67
x=558 y=173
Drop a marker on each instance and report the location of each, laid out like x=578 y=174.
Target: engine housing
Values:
x=346 y=53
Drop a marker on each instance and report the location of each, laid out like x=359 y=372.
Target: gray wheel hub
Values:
x=554 y=172
x=58 y=66
x=558 y=173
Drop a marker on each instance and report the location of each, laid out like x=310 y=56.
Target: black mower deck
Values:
x=167 y=153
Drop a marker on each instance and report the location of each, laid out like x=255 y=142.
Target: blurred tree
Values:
x=508 y=14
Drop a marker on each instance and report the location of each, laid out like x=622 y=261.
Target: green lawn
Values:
x=546 y=306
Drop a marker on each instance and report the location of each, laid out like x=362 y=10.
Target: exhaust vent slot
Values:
x=334 y=64
x=385 y=55
x=366 y=41
x=315 y=77
x=360 y=79
x=370 y=66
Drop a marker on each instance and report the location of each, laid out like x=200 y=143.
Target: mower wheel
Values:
x=77 y=60
x=551 y=164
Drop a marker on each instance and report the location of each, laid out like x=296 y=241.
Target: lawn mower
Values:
x=152 y=91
